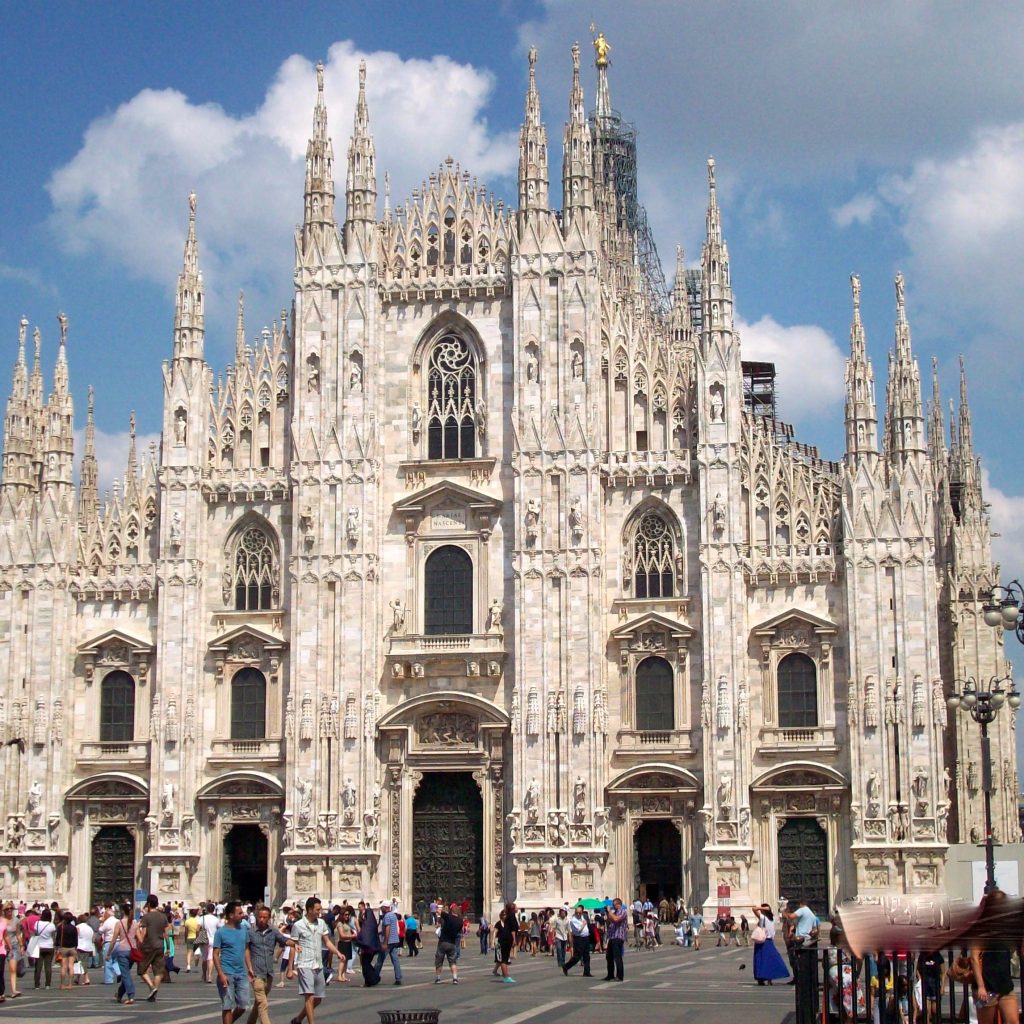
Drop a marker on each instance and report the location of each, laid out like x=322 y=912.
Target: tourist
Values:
x=14 y=947
x=412 y=935
x=580 y=941
x=534 y=935
x=310 y=935
x=996 y=937
x=153 y=926
x=119 y=950
x=261 y=945
x=744 y=930
x=391 y=941
x=288 y=952
x=86 y=950
x=682 y=934
x=696 y=924
x=433 y=911
x=191 y=931
x=768 y=963
x=344 y=934
x=229 y=964
x=209 y=922
x=66 y=945
x=506 y=934
x=45 y=934
x=618 y=930
x=560 y=926
x=368 y=944
x=108 y=923
x=448 y=938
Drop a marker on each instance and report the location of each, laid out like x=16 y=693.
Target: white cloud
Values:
x=122 y=195
x=808 y=362
x=112 y=454
x=861 y=209
x=1007 y=512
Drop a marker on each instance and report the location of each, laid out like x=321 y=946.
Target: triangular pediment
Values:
x=247 y=634
x=135 y=645
x=651 y=622
x=443 y=492
x=795 y=616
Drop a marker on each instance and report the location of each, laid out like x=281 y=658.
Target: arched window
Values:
x=654 y=696
x=798 y=692
x=451 y=400
x=254 y=571
x=653 y=557
x=248 y=705
x=448 y=594
x=117 y=708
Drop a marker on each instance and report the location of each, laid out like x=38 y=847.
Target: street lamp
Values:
x=1003 y=608
x=983 y=706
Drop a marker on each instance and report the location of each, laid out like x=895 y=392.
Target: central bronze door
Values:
x=803 y=863
x=113 y=866
x=448 y=840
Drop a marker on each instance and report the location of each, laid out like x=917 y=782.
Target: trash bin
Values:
x=409 y=1016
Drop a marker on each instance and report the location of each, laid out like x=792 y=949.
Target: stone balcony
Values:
x=783 y=743
x=128 y=754
x=419 y=655
x=770 y=564
x=235 y=753
x=626 y=469
x=670 y=742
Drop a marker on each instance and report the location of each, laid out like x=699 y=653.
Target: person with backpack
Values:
x=191 y=932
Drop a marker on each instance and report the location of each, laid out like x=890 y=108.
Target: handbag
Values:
x=759 y=934
x=33 y=945
x=79 y=969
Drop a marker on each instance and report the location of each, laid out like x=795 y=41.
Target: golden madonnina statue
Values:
x=601 y=50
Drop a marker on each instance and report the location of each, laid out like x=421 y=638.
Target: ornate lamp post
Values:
x=1003 y=608
x=983 y=706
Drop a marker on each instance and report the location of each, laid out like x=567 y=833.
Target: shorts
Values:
x=505 y=947
x=236 y=995
x=444 y=949
x=151 y=958
x=67 y=953
x=311 y=982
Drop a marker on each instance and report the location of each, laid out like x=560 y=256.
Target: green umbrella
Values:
x=590 y=904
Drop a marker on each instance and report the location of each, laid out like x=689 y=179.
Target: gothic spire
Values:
x=936 y=426
x=240 y=331
x=19 y=435
x=904 y=413
x=601 y=62
x=965 y=470
x=89 y=495
x=35 y=387
x=533 y=150
x=577 y=151
x=60 y=370
x=133 y=459
x=318 y=209
x=966 y=432
x=188 y=306
x=861 y=412
x=19 y=384
x=361 y=183
x=716 y=293
x=682 y=325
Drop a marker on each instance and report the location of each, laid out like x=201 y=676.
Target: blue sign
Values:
x=140 y=895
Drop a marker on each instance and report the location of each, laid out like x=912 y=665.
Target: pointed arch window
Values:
x=448 y=593
x=798 y=692
x=254 y=571
x=451 y=400
x=117 y=708
x=653 y=557
x=654 y=696
x=248 y=705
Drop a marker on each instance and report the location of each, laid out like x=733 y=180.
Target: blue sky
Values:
x=867 y=138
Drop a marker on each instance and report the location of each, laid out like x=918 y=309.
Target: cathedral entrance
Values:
x=803 y=863
x=448 y=840
x=113 y=866
x=659 y=861
x=245 y=863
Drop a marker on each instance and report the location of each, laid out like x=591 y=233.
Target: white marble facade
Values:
x=648 y=560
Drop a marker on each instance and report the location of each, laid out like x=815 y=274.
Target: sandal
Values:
x=128 y=1002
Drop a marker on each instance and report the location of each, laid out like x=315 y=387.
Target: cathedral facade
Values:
x=485 y=573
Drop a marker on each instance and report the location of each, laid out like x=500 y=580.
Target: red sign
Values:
x=724 y=901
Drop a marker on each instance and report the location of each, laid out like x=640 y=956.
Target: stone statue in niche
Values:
x=313 y=374
x=873 y=788
x=175 y=532
x=494 y=616
x=576 y=519
x=919 y=786
x=705 y=704
x=577 y=366
x=532 y=518
x=355 y=378
x=515 y=828
x=416 y=420
x=180 y=427
x=167 y=804
x=725 y=793
x=602 y=818
x=348 y=803
x=531 y=802
x=371 y=830
x=34 y=806
x=397 y=617
x=718 y=513
x=532 y=368
x=480 y=417
x=717 y=405
x=745 y=826
x=305 y=792
x=352 y=525
x=579 y=799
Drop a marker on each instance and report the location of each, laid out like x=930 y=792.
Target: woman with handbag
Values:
x=768 y=963
x=40 y=947
x=66 y=942
x=120 y=951
x=15 y=950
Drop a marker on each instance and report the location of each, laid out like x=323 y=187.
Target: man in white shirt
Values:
x=309 y=935
x=108 y=922
x=561 y=936
x=210 y=922
x=579 y=930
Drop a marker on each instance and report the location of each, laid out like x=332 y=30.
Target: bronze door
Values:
x=659 y=861
x=803 y=863
x=113 y=866
x=447 y=840
x=245 y=863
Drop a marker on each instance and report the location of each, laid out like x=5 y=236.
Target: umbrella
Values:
x=590 y=904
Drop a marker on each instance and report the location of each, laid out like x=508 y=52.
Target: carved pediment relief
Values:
x=447 y=508
x=116 y=649
x=651 y=632
x=796 y=628
x=447 y=729
x=247 y=645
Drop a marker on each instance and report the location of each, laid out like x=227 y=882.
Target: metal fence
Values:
x=832 y=987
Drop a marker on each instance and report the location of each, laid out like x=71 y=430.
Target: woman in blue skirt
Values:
x=768 y=963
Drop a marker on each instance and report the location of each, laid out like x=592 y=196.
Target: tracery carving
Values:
x=451 y=399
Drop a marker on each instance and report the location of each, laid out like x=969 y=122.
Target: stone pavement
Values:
x=666 y=984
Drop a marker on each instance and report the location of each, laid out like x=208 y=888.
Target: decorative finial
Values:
x=90 y=399
x=900 y=294
x=855 y=288
x=362 y=74
x=320 y=76
x=601 y=49
x=191 y=206
x=22 y=330
x=63 y=321
x=575 y=57
x=131 y=425
x=37 y=341
x=711 y=173
x=532 y=58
